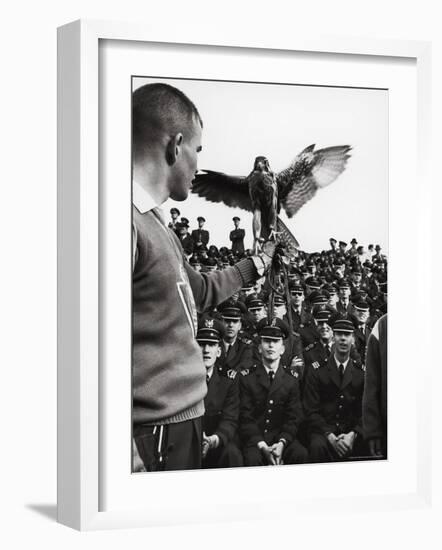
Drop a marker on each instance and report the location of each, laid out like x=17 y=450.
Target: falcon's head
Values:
x=261 y=164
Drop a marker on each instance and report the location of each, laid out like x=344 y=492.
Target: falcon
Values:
x=264 y=192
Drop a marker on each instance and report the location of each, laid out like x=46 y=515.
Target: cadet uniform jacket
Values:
x=330 y=407
x=301 y=320
x=200 y=236
x=344 y=311
x=187 y=243
x=361 y=337
x=268 y=412
x=237 y=238
x=222 y=404
x=240 y=355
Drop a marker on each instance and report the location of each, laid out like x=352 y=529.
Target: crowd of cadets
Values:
x=287 y=395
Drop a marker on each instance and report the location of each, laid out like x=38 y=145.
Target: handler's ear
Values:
x=173 y=149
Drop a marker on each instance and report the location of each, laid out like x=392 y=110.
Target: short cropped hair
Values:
x=159 y=109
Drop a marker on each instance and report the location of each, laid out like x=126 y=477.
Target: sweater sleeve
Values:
x=209 y=290
x=372 y=422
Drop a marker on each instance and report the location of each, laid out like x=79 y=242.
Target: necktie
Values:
x=341 y=372
x=207 y=378
x=271 y=376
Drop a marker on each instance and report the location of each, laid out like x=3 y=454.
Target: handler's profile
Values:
x=169 y=376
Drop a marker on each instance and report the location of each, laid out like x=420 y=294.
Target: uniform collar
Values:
x=268 y=370
x=345 y=363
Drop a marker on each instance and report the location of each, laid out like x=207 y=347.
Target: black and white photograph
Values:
x=259 y=274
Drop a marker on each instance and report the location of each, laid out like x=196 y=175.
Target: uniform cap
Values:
x=317 y=298
x=254 y=302
x=295 y=287
x=175 y=210
x=361 y=305
x=200 y=219
x=313 y=282
x=275 y=329
x=344 y=284
x=235 y=218
x=343 y=325
x=210 y=330
x=322 y=315
x=232 y=310
x=279 y=300
x=246 y=288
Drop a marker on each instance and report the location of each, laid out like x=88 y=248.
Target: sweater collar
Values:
x=142 y=200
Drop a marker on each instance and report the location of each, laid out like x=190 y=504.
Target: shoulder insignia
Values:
x=309 y=347
x=231 y=374
x=245 y=372
x=294 y=373
x=316 y=365
x=244 y=340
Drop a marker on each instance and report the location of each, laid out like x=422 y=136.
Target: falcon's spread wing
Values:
x=310 y=171
x=218 y=187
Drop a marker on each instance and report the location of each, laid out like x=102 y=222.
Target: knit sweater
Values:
x=168 y=372
x=374 y=404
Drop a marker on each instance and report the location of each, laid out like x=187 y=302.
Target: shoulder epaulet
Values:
x=309 y=347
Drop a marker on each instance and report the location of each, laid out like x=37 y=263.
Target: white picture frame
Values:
x=81 y=294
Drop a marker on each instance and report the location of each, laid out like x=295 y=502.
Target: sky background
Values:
x=244 y=120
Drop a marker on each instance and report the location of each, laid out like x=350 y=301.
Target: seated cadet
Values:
x=236 y=349
x=270 y=404
x=220 y=420
x=333 y=402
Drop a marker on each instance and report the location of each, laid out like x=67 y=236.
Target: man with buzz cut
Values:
x=333 y=401
x=169 y=377
x=270 y=404
x=220 y=421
